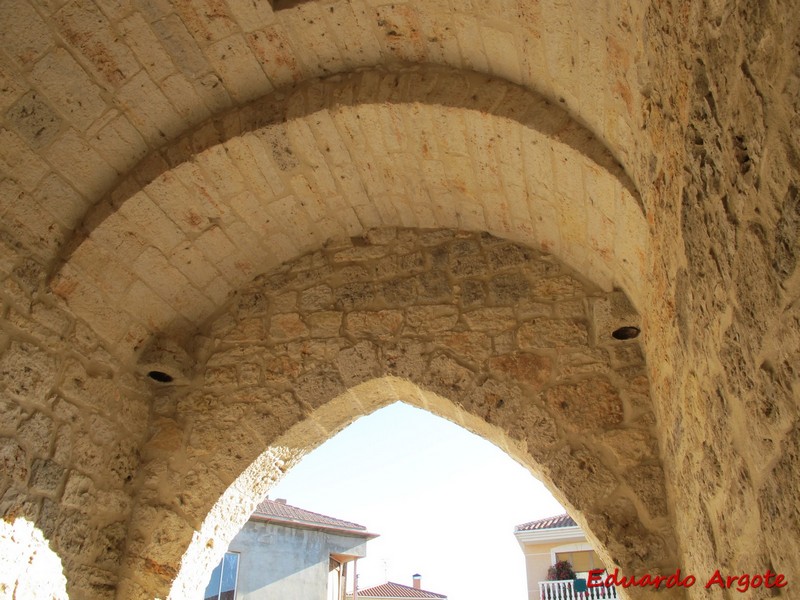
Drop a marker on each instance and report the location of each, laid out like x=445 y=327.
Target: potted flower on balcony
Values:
x=560 y=571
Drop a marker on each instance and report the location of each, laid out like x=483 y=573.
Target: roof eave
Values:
x=311 y=525
x=548 y=535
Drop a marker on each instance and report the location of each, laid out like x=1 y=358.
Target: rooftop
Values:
x=396 y=590
x=547 y=523
x=277 y=511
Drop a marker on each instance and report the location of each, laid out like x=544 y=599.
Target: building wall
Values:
x=537 y=561
x=539 y=558
x=277 y=562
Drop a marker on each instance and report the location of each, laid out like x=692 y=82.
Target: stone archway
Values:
x=498 y=337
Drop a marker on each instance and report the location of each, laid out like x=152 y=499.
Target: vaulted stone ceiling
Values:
x=159 y=158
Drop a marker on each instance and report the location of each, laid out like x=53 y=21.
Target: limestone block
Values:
x=68 y=87
x=281 y=368
x=380 y=324
x=490 y=320
x=557 y=288
x=629 y=446
x=588 y=405
x=34 y=120
x=581 y=476
x=433 y=287
x=14 y=460
x=531 y=369
x=467 y=265
x=619 y=518
x=552 y=333
x=10 y=414
x=473 y=346
x=317 y=387
x=397 y=292
x=405 y=359
x=79 y=490
x=431 y=319
x=471 y=292
x=316 y=298
x=448 y=378
x=358 y=363
x=87 y=30
x=36 y=434
x=75 y=536
x=27 y=371
x=24 y=34
x=46 y=476
x=354 y=295
x=286 y=327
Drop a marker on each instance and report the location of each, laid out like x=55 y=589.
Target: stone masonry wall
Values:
x=722 y=113
x=70 y=429
x=505 y=334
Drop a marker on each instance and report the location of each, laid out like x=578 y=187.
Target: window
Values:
x=223 y=579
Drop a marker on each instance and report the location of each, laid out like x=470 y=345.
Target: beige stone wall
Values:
x=156 y=157
x=722 y=117
x=70 y=434
x=499 y=338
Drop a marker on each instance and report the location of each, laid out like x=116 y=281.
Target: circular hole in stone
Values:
x=625 y=333
x=160 y=376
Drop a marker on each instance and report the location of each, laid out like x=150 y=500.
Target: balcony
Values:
x=565 y=590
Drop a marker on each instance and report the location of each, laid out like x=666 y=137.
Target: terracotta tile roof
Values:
x=280 y=512
x=549 y=523
x=395 y=590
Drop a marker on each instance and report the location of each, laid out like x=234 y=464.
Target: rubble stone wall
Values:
x=495 y=336
x=71 y=426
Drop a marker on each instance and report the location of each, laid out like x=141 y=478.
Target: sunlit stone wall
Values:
x=463 y=324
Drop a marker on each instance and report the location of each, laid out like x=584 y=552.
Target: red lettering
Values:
x=731 y=579
x=716 y=578
x=767 y=575
x=756 y=581
x=744 y=583
x=614 y=578
x=657 y=581
x=780 y=580
x=675 y=579
x=595 y=575
x=611 y=578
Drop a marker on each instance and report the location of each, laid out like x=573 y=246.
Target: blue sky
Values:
x=443 y=500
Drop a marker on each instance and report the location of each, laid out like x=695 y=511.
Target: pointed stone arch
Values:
x=497 y=337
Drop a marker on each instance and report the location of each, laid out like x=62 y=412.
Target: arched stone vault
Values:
x=495 y=336
x=697 y=100
x=417 y=146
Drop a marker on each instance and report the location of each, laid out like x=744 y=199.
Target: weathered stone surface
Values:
x=431 y=319
x=287 y=327
x=587 y=405
x=532 y=369
x=46 y=476
x=382 y=324
x=107 y=122
x=552 y=333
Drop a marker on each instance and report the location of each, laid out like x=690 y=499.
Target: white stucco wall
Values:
x=278 y=562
